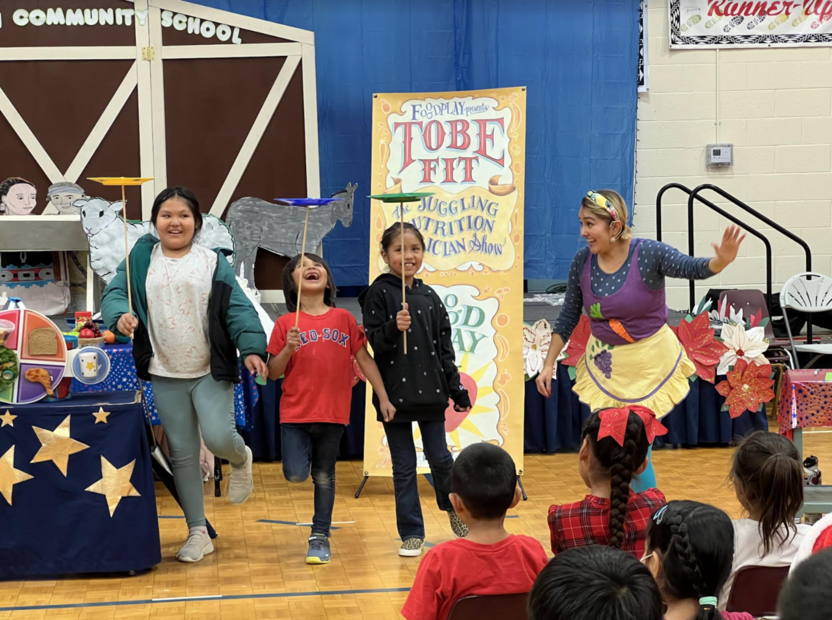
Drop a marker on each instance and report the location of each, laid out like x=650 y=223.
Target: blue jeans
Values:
x=403 y=454
x=313 y=447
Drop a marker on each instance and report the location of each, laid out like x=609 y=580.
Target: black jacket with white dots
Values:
x=420 y=382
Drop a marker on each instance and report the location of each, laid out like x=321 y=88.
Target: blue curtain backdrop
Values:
x=578 y=59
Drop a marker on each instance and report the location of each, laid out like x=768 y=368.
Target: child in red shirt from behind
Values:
x=316 y=357
x=614 y=449
x=489 y=560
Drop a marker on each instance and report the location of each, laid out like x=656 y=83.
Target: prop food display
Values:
x=33 y=360
x=89 y=334
x=39 y=375
x=9 y=368
x=43 y=341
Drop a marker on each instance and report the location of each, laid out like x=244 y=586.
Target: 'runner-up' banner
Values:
x=740 y=23
x=468 y=148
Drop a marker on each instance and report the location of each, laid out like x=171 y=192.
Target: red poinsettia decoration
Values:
x=747 y=387
x=702 y=348
x=577 y=342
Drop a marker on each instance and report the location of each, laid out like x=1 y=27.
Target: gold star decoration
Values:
x=101 y=415
x=115 y=483
x=9 y=476
x=57 y=445
x=7 y=419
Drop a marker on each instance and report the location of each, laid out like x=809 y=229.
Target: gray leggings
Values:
x=185 y=406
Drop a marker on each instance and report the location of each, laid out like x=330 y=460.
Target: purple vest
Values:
x=635 y=309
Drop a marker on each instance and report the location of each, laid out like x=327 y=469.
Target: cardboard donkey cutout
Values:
x=262 y=224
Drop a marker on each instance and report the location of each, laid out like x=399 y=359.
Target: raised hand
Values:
x=726 y=251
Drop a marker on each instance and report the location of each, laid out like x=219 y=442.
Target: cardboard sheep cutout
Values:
x=261 y=224
x=105 y=232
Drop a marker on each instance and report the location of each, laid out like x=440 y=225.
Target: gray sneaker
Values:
x=242 y=481
x=196 y=547
x=318 y=552
x=457 y=525
x=411 y=547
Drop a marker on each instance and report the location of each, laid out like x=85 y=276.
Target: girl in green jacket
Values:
x=191 y=319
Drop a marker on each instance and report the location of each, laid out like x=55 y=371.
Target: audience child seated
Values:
x=614 y=449
x=818 y=538
x=489 y=560
x=595 y=583
x=689 y=551
x=768 y=476
x=807 y=594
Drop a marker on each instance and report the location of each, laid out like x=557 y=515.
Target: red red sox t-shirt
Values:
x=317 y=385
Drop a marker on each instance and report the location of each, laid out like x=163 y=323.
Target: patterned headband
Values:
x=614 y=423
x=604 y=203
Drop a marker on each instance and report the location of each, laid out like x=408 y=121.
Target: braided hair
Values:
x=619 y=463
x=696 y=545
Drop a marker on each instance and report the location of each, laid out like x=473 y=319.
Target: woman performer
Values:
x=632 y=356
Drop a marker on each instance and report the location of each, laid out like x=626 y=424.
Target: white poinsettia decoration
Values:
x=536 y=341
x=745 y=344
x=726 y=314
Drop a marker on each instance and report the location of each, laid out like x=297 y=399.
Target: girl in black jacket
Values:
x=418 y=383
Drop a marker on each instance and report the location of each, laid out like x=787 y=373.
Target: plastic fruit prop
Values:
x=109 y=337
x=454 y=418
x=86 y=333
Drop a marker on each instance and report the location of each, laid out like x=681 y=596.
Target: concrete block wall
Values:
x=775 y=107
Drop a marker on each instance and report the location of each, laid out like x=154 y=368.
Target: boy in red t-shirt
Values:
x=316 y=358
x=489 y=560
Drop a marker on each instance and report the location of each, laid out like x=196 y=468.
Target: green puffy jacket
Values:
x=232 y=321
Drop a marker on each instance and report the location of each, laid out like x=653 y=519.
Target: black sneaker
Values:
x=319 y=552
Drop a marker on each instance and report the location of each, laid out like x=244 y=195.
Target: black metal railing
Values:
x=694 y=196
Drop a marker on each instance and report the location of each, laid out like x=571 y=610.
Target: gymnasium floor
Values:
x=258 y=570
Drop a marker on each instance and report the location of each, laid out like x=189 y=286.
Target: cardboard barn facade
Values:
x=217 y=102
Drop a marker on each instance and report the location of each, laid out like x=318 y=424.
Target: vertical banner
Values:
x=468 y=148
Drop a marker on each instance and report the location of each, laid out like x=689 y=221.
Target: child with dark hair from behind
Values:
x=489 y=560
x=593 y=583
x=689 y=551
x=768 y=477
x=807 y=594
x=614 y=449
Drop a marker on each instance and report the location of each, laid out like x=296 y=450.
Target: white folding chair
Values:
x=807 y=292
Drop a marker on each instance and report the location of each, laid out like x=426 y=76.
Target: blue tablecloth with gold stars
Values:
x=123 y=377
x=76 y=487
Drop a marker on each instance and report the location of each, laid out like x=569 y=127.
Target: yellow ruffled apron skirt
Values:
x=652 y=372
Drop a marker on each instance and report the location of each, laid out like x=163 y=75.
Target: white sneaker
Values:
x=242 y=481
x=197 y=546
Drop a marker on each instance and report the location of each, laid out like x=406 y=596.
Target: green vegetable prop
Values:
x=8 y=363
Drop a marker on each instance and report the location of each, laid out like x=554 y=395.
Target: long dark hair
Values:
x=290 y=291
x=695 y=543
x=620 y=462
x=184 y=194
x=767 y=473
x=594 y=583
x=394 y=233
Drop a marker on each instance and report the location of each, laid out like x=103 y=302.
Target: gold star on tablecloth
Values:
x=57 y=445
x=9 y=476
x=115 y=483
x=7 y=419
x=101 y=415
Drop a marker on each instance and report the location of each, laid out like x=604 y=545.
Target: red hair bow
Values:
x=614 y=423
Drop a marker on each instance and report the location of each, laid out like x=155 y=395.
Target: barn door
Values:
x=71 y=95
x=234 y=111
